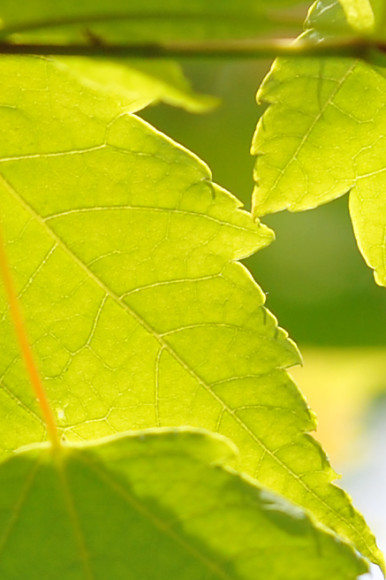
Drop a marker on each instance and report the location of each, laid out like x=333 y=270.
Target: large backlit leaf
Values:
x=155 y=505
x=124 y=254
x=322 y=136
x=119 y=21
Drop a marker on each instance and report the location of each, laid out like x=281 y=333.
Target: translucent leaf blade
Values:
x=155 y=505
x=88 y=253
x=125 y=256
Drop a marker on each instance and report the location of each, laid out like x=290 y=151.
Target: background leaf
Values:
x=359 y=14
x=177 y=506
x=124 y=254
x=140 y=82
x=322 y=136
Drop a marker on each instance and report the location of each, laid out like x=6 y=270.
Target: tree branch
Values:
x=268 y=48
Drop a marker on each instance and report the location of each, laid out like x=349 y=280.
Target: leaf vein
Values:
x=16 y=510
x=179 y=359
x=306 y=135
x=145 y=208
x=155 y=520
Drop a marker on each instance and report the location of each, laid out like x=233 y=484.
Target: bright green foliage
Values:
x=359 y=14
x=322 y=136
x=155 y=505
x=124 y=256
x=347 y=17
x=110 y=211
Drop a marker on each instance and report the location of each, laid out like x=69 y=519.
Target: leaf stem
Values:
x=263 y=48
x=19 y=326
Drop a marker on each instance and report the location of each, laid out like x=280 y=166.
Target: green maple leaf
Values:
x=155 y=505
x=125 y=259
x=323 y=136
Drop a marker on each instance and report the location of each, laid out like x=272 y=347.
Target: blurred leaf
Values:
x=359 y=14
x=140 y=82
x=155 y=505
